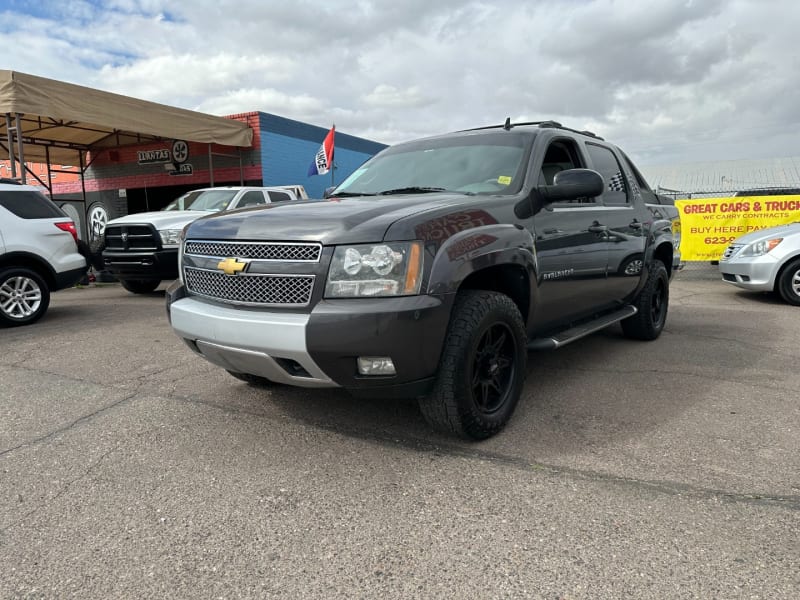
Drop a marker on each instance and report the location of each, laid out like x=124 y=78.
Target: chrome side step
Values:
x=575 y=333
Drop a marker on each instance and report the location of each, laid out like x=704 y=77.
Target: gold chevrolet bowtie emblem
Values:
x=231 y=266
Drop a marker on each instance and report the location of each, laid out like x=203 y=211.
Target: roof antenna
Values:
x=507 y=126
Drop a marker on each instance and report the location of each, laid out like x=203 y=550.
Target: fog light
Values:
x=375 y=365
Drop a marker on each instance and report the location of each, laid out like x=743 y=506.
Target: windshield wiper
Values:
x=411 y=190
x=348 y=195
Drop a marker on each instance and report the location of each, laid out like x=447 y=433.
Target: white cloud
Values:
x=669 y=81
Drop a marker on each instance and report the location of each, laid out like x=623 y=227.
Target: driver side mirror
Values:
x=573 y=184
x=328 y=191
x=567 y=185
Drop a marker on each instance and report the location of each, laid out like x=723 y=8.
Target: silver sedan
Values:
x=767 y=260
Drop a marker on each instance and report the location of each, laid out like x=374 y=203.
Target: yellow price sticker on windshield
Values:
x=504 y=180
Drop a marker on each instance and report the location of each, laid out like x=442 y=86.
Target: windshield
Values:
x=492 y=163
x=210 y=200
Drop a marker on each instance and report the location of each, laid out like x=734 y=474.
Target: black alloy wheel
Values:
x=482 y=367
x=493 y=368
x=652 y=305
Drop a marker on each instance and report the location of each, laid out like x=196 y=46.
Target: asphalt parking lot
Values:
x=130 y=468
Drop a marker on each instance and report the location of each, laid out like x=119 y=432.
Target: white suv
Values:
x=39 y=253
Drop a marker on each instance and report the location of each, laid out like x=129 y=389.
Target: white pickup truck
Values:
x=141 y=250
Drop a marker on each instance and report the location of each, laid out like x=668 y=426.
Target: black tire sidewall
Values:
x=6 y=274
x=785 y=282
x=641 y=326
x=139 y=286
x=473 y=314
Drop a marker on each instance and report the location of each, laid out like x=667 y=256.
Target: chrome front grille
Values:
x=252 y=289
x=133 y=238
x=290 y=252
x=730 y=251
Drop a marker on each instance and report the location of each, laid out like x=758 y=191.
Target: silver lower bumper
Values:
x=271 y=345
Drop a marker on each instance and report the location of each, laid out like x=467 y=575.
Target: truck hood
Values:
x=769 y=233
x=161 y=219
x=334 y=221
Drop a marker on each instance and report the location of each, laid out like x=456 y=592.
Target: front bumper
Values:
x=161 y=265
x=320 y=348
x=755 y=273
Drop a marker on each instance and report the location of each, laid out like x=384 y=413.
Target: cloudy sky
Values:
x=670 y=81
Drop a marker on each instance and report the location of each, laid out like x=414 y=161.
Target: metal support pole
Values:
x=20 y=152
x=49 y=172
x=10 y=130
x=241 y=167
x=210 y=167
x=83 y=186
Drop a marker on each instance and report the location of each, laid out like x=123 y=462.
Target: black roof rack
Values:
x=508 y=125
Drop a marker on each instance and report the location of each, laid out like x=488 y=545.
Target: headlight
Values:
x=760 y=248
x=170 y=237
x=391 y=269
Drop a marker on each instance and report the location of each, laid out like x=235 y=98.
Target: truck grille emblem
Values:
x=231 y=266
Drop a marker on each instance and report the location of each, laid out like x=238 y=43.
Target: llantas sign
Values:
x=154 y=157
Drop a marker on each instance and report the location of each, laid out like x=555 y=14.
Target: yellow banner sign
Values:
x=709 y=225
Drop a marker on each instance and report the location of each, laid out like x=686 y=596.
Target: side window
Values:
x=28 y=204
x=637 y=179
x=279 y=196
x=252 y=198
x=562 y=155
x=605 y=163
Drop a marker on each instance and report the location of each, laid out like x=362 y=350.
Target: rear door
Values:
x=624 y=226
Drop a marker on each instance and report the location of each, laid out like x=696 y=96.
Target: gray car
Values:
x=767 y=260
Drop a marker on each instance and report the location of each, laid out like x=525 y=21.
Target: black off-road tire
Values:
x=252 y=379
x=482 y=367
x=24 y=297
x=789 y=282
x=140 y=286
x=652 y=304
x=95 y=248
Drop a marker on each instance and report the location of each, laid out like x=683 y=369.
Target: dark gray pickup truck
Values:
x=432 y=270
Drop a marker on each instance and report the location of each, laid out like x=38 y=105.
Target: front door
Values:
x=571 y=246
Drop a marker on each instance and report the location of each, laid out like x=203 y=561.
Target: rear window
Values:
x=30 y=205
x=279 y=196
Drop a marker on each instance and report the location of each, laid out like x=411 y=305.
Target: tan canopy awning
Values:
x=58 y=120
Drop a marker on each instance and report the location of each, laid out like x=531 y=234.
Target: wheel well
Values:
x=664 y=254
x=511 y=280
x=31 y=262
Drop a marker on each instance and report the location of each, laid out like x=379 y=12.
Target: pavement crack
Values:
x=68 y=426
x=64 y=489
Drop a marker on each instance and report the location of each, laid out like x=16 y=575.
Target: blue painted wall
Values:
x=288 y=147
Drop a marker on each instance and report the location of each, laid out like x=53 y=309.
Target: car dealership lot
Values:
x=129 y=467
